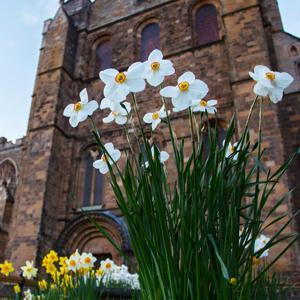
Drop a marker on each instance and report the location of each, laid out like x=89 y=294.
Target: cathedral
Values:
x=48 y=186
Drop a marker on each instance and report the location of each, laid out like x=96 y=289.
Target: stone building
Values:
x=47 y=177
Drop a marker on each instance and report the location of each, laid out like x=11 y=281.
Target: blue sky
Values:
x=20 y=31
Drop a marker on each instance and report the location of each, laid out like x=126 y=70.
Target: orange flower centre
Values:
x=155 y=66
x=108 y=265
x=155 y=115
x=115 y=114
x=87 y=260
x=72 y=263
x=232 y=149
x=77 y=106
x=203 y=103
x=183 y=86
x=105 y=157
x=120 y=78
x=270 y=75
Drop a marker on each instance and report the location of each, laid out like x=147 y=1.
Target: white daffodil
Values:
x=203 y=106
x=79 y=111
x=231 y=149
x=156 y=68
x=260 y=243
x=155 y=118
x=28 y=295
x=118 y=113
x=106 y=103
x=187 y=90
x=270 y=83
x=29 y=271
x=74 y=262
x=87 y=260
x=119 y=84
x=102 y=163
x=162 y=155
x=107 y=265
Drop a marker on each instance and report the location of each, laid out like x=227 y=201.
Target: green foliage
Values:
x=186 y=235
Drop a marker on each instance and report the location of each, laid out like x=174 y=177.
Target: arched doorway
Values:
x=83 y=235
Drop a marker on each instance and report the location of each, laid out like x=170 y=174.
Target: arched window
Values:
x=206 y=24
x=93 y=180
x=298 y=68
x=150 y=40
x=103 y=56
x=216 y=129
x=8 y=184
x=294 y=51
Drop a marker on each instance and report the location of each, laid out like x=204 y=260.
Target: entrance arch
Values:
x=81 y=234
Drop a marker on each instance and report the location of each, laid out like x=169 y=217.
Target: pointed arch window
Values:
x=103 y=56
x=93 y=180
x=206 y=24
x=8 y=184
x=294 y=51
x=150 y=40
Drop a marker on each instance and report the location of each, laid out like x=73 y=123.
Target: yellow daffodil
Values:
x=6 y=268
x=17 y=289
x=52 y=256
x=43 y=284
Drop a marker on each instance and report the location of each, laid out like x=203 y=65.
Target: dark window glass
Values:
x=207 y=24
x=294 y=51
x=215 y=129
x=93 y=180
x=103 y=56
x=88 y=180
x=298 y=67
x=149 y=40
x=98 y=188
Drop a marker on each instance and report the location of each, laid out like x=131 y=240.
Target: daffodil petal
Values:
x=170 y=91
x=148 y=118
x=283 y=80
x=121 y=120
x=115 y=155
x=109 y=147
x=136 y=70
x=155 y=79
x=91 y=106
x=155 y=55
x=108 y=119
x=105 y=103
x=136 y=85
x=108 y=75
x=260 y=90
x=74 y=120
x=276 y=94
x=212 y=102
x=155 y=123
x=84 y=98
x=167 y=68
x=164 y=156
x=68 y=111
x=187 y=76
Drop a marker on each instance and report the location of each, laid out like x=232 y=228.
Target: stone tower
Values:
x=220 y=41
